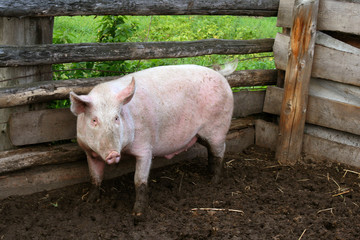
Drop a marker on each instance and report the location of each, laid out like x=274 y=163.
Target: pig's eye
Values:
x=94 y=121
x=117 y=118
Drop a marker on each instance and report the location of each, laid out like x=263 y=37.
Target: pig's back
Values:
x=172 y=103
x=183 y=86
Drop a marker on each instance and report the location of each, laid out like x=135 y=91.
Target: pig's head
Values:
x=100 y=122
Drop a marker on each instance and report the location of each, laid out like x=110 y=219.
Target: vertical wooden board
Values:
x=281 y=50
x=297 y=78
x=334 y=15
x=41 y=126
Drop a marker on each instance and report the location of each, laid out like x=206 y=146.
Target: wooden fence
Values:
x=28 y=160
x=330 y=103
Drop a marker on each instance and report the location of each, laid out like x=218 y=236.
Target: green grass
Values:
x=76 y=29
x=187 y=28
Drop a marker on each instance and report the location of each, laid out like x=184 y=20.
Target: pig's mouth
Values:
x=113 y=157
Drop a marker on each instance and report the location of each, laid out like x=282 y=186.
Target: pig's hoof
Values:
x=215 y=179
x=138 y=210
x=94 y=195
x=138 y=217
x=141 y=200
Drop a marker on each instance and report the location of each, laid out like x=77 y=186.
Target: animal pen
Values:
x=315 y=88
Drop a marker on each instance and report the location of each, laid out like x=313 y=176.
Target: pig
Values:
x=159 y=111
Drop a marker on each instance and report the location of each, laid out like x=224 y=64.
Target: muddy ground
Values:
x=257 y=199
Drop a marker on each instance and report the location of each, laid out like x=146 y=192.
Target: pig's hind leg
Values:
x=216 y=149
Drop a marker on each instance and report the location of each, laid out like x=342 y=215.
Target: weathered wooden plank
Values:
x=63 y=53
x=266 y=134
x=248 y=78
x=47 y=91
x=334 y=15
x=329 y=62
x=333 y=43
x=297 y=78
x=248 y=102
x=320 y=143
x=41 y=126
x=60 y=124
x=320 y=111
x=22 y=8
x=351 y=39
x=49 y=177
x=24 y=31
x=52 y=90
x=22 y=158
x=335 y=91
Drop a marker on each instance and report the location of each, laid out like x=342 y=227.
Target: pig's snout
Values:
x=113 y=157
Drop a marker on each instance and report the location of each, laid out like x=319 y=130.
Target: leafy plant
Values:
x=114 y=29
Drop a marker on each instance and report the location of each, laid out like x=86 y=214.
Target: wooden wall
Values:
x=333 y=111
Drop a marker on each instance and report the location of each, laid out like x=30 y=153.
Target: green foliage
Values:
x=190 y=28
x=115 y=29
x=59 y=104
x=109 y=29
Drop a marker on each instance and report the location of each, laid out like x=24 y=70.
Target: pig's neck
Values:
x=128 y=127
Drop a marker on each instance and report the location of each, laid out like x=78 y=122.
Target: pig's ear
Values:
x=127 y=93
x=79 y=104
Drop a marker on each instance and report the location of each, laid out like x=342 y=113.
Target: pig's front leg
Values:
x=142 y=171
x=96 y=170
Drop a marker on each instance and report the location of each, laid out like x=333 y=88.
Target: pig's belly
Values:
x=170 y=150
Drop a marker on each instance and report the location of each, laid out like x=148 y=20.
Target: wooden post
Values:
x=22 y=31
x=297 y=77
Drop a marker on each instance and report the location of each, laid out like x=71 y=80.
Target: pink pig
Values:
x=160 y=111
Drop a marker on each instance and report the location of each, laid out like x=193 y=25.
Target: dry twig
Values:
x=84 y=196
x=327 y=209
x=350 y=171
x=217 y=209
x=302 y=234
x=342 y=193
x=164 y=177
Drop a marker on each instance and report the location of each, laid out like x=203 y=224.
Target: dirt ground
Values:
x=257 y=199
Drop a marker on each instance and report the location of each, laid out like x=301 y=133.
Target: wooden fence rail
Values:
x=51 y=90
x=32 y=8
x=12 y=56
